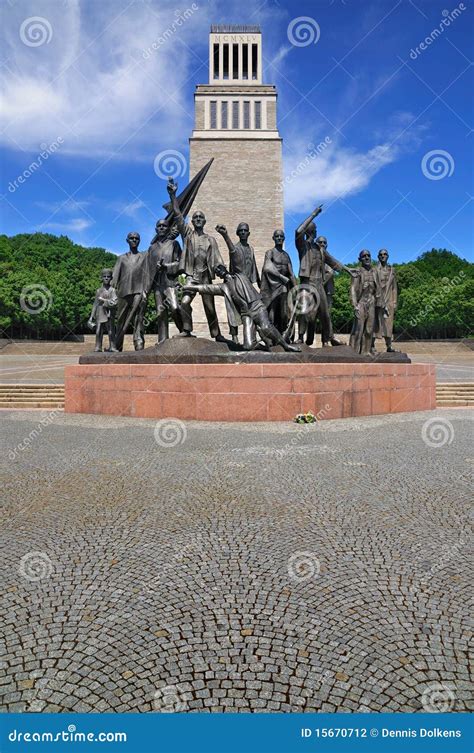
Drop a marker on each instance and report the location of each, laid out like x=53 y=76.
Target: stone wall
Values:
x=249 y=391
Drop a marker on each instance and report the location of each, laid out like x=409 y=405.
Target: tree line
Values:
x=47 y=286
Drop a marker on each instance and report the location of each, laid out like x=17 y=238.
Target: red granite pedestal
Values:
x=249 y=392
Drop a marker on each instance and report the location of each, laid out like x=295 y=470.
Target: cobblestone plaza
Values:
x=202 y=567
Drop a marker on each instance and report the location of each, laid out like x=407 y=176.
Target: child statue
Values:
x=102 y=316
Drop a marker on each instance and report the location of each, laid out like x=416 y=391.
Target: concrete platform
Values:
x=249 y=391
x=201 y=350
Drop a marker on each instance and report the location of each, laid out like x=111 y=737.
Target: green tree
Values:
x=47 y=285
x=56 y=279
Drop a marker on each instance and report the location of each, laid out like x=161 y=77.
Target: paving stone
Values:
x=172 y=573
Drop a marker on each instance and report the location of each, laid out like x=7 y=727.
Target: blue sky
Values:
x=396 y=119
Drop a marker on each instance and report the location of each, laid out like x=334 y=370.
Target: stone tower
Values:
x=235 y=122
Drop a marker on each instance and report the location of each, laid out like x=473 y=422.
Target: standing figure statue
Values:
x=312 y=294
x=322 y=242
x=241 y=259
x=201 y=257
x=277 y=281
x=129 y=282
x=243 y=301
x=385 y=314
x=102 y=316
x=162 y=267
x=365 y=296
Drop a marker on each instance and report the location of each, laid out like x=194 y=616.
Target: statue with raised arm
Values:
x=277 y=280
x=312 y=294
x=200 y=259
x=385 y=314
x=241 y=259
x=129 y=281
x=162 y=267
x=245 y=303
x=365 y=296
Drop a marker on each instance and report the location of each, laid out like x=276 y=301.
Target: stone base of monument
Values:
x=193 y=379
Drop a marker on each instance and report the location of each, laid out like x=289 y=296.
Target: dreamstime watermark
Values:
x=304 y=300
x=35 y=566
x=313 y=151
x=303 y=31
x=169 y=700
x=46 y=152
x=71 y=735
x=446 y=21
x=305 y=427
x=35 y=298
x=170 y=164
x=437 y=432
x=438 y=298
x=303 y=566
x=180 y=19
x=36 y=31
x=437 y=164
x=170 y=432
x=438 y=698
x=33 y=435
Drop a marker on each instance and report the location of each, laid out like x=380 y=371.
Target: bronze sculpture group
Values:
x=272 y=312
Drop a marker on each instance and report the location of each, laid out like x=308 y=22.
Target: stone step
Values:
x=28 y=398
x=32 y=387
x=442 y=385
x=455 y=388
x=20 y=391
x=38 y=404
x=453 y=403
x=455 y=394
x=460 y=393
x=32 y=396
x=450 y=393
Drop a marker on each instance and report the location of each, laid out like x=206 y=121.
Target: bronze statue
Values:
x=243 y=301
x=322 y=241
x=384 y=315
x=312 y=294
x=201 y=257
x=162 y=267
x=129 y=282
x=173 y=232
x=102 y=316
x=365 y=296
x=277 y=281
x=241 y=259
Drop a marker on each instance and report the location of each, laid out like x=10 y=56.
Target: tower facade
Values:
x=235 y=122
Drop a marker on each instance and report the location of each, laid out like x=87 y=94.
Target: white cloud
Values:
x=93 y=83
x=315 y=171
x=111 y=76
x=76 y=225
x=69 y=205
x=280 y=55
x=128 y=208
x=337 y=172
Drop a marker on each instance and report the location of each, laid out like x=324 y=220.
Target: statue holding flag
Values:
x=201 y=257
